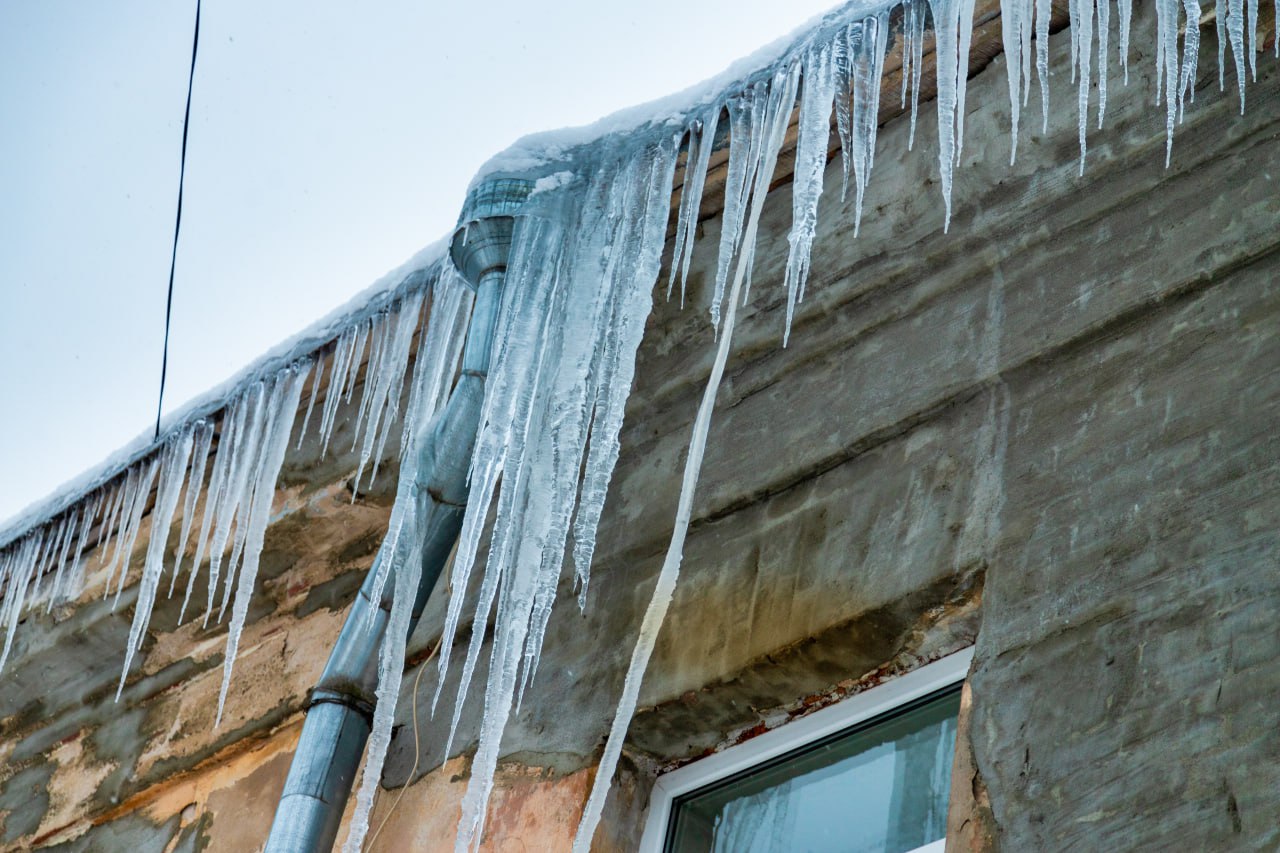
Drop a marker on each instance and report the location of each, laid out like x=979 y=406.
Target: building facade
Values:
x=1033 y=459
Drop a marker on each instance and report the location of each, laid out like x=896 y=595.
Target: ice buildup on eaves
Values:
x=580 y=288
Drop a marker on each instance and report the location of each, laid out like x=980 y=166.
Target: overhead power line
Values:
x=177 y=224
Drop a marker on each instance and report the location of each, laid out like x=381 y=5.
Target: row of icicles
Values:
x=50 y=555
x=222 y=491
x=837 y=69
x=557 y=391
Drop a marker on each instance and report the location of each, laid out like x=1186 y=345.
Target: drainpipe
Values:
x=340 y=710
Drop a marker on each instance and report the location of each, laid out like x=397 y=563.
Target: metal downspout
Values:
x=340 y=711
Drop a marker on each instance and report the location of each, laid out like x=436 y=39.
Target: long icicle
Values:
x=173 y=467
x=287 y=394
x=203 y=431
x=655 y=614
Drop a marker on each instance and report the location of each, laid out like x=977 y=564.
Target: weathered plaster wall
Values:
x=1051 y=431
x=1060 y=417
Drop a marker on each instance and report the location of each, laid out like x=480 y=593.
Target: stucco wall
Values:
x=1050 y=431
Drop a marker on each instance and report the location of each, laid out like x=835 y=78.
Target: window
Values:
x=871 y=774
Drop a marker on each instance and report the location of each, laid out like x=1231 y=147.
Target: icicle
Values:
x=917 y=10
x=8 y=563
x=203 y=440
x=49 y=558
x=379 y=328
x=390 y=674
x=811 y=161
x=779 y=112
x=524 y=469
x=514 y=378
x=59 y=555
x=439 y=348
x=953 y=29
x=744 y=116
x=1044 y=15
x=613 y=385
x=57 y=565
x=411 y=312
x=766 y=140
x=72 y=523
x=509 y=394
x=1252 y=25
x=78 y=559
x=866 y=58
x=120 y=525
x=285 y=397
x=66 y=554
x=268 y=412
x=1190 y=56
x=357 y=356
x=18 y=576
x=251 y=408
x=438 y=360
x=1024 y=51
x=1235 y=34
x=173 y=468
x=965 y=27
x=1073 y=29
x=869 y=118
x=908 y=49
x=1126 y=20
x=389 y=381
x=1082 y=39
x=431 y=305
x=316 y=375
x=1016 y=25
x=1104 y=58
x=1167 y=73
x=613 y=377
x=430 y=301
x=846 y=49
x=1220 y=27
x=123 y=487
x=129 y=533
x=333 y=390
x=702 y=137
x=109 y=510
x=213 y=497
x=339 y=366
x=543 y=400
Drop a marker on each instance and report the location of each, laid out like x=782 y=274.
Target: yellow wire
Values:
x=422 y=667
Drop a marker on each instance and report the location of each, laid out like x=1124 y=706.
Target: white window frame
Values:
x=845 y=714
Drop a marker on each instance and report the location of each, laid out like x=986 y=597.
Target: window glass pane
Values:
x=881 y=787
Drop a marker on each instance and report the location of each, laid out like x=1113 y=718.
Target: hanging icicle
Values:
x=439 y=353
x=173 y=468
x=554 y=399
x=282 y=398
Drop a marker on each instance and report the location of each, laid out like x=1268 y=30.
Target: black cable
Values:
x=177 y=225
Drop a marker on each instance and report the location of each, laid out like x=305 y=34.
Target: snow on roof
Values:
x=538 y=151
x=535 y=153
x=373 y=298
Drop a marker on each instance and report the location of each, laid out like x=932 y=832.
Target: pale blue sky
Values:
x=329 y=141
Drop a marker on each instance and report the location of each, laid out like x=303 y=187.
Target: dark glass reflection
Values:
x=881 y=787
